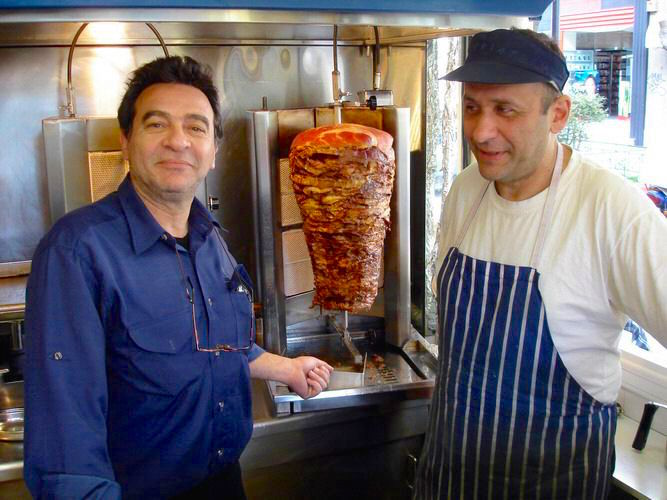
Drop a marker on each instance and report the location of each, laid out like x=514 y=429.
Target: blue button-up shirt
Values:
x=118 y=400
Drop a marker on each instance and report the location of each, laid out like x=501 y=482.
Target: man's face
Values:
x=171 y=146
x=507 y=128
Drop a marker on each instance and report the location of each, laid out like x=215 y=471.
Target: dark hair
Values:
x=173 y=69
x=551 y=93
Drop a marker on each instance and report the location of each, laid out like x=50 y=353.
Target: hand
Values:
x=310 y=376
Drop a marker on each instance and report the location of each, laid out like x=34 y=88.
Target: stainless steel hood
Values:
x=29 y=27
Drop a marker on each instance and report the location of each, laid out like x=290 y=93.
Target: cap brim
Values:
x=493 y=72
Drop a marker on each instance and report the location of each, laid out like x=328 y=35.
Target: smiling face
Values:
x=509 y=131
x=171 y=146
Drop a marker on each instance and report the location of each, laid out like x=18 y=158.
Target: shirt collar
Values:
x=144 y=229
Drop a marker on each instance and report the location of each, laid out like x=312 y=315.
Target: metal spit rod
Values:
x=344 y=332
x=335 y=81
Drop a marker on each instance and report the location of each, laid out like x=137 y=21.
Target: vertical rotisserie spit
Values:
x=343 y=177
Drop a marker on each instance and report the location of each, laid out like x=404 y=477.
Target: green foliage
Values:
x=585 y=109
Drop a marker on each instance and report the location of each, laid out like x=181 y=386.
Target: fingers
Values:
x=323 y=372
x=327 y=366
x=318 y=378
x=311 y=363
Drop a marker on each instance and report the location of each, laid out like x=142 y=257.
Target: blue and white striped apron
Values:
x=507 y=418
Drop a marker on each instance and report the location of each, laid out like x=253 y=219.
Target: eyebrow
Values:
x=161 y=114
x=495 y=101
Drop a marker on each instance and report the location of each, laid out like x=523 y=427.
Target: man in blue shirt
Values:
x=140 y=344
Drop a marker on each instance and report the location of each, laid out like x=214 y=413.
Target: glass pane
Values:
x=443 y=153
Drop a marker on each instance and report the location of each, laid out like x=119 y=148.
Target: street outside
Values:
x=609 y=145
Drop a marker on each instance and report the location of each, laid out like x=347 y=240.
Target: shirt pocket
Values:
x=242 y=304
x=232 y=318
x=161 y=358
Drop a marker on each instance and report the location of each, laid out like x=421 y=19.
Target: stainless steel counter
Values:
x=279 y=440
x=11 y=461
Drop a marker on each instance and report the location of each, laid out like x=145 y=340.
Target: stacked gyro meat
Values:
x=343 y=177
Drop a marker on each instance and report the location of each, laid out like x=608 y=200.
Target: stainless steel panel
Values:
x=12 y=297
x=83 y=161
x=102 y=134
x=21 y=268
x=264 y=141
x=66 y=148
x=397 y=244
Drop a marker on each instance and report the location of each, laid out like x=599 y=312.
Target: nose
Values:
x=176 y=138
x=480 y=128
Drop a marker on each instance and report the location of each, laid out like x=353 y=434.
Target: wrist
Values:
x=293 y=373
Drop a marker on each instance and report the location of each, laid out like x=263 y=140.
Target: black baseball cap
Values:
x=510 y=56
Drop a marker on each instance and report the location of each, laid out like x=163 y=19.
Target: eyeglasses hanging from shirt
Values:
x=239 y=282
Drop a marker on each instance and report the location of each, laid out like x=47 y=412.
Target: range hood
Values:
x=258 y=21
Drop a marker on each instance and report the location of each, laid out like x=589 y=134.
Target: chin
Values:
x=490 y=173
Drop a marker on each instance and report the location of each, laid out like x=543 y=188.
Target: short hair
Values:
x=551 y=93
x=172 y=69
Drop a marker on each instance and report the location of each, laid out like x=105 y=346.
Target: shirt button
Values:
x=221 y=405
x=210 y=301
x=221 y=452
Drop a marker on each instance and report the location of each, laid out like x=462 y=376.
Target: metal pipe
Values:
x=157 y=34
x=639 y=74
x=335 y=79
x=335 y=47
x=377 y=76
x=69 y=107
x=555 y=21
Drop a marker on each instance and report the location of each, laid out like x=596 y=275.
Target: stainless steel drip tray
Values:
x=386 y=375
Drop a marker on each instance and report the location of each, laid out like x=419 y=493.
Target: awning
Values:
x=603 y=20
x=480 y=7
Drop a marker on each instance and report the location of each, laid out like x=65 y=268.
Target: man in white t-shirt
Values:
x=543 y=256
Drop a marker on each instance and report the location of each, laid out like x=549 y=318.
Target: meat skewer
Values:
x=343 y=177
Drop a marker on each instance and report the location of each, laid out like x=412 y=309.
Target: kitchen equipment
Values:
x=11 y=424
x=84 y=161
x=11 y=409
x=373 y=351
x=376 y=96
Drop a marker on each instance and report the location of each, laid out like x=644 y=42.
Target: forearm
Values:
x=268 y=366
x=305 y=375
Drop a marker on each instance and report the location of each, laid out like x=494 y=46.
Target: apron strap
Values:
x=547 y=212
x=471 y=215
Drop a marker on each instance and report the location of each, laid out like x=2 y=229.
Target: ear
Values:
x=124 y=146
x=560 y=112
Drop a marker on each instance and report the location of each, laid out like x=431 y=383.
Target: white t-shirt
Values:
x=604 y=260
